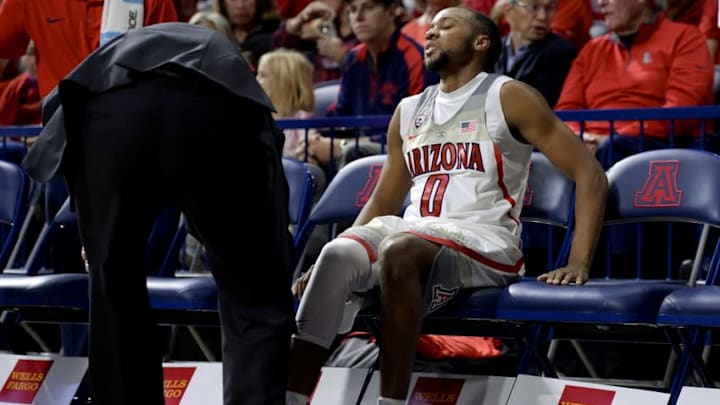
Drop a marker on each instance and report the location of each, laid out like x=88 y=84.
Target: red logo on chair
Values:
x=176 y=381
x=363 y=195
x=436 y=391
x=661 y=187
x=24 y=381
x=573 y=395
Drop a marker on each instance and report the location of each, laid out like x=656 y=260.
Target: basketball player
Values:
x=462 y=150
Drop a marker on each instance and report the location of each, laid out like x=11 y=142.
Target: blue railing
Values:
x=380 y=121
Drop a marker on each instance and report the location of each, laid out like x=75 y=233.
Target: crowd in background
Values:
x=579 y=54
x=376 y=53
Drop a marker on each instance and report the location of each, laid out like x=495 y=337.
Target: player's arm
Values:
x=526 y=111
x=394 y=182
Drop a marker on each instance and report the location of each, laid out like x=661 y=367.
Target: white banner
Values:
x=343 y=386
x=552 y=391
x=697 y=395
x=40 y=380
x=193 y=383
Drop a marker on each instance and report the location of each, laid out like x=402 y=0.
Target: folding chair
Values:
x=341 y=201
x=549 y=201
x=669 y=185
x=42 y=291
x=14 y=203
x=691 y=315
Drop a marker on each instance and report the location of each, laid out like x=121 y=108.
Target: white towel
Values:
x=120 y=16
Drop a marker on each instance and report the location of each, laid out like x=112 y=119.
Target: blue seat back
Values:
x=665 y=186
x=681 y=185
x=13 y=206
x=63 y=219
x=301 y=186
x=326 y=93
x=348 y=192
x=548 y=200
x=549 y=194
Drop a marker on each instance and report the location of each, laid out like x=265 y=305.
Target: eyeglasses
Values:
x=534 y=8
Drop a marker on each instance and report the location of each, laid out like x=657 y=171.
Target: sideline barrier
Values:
x=40 y=380
x=552 y=391
x=193 y=383
x=697 y=395
x=344 y=386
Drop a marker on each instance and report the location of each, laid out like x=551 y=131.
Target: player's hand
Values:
x=572 y=273
x=301 y=283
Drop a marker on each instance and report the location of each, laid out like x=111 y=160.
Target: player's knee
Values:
x=395 y=258
x=341 y=268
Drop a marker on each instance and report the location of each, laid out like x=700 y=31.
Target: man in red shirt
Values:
x=64 y=32
x=645 y=60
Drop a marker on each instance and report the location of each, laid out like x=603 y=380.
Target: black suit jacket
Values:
x=544 y=66
x=172 y=47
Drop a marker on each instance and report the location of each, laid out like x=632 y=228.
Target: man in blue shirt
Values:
x=531 y=52
x=376 y=74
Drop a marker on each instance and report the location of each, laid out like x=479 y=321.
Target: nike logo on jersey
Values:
x=51 y=20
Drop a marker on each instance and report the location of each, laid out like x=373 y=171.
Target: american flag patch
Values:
x=468 y=127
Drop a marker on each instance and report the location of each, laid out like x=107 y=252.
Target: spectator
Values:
x=214 y=21
x=19 y=93
x=322 y=31
x=572 y=20
x=645 y=60
x=710 y=27
x=64 y=32
x=286 y=76
x=418 y=26
x=186 y=8
x=531 y=52
x=253 y=23
x=686 y=11
x=385 y=67
x=290 y=8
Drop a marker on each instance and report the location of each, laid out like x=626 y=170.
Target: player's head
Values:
x=458 y=36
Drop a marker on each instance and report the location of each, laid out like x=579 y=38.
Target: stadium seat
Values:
x=326 y=94
x=690 y=314
x=669 y=185
x=549 y=199
x=14 y=203
x=341 y=201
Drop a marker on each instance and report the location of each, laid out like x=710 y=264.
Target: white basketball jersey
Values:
x=469 y=172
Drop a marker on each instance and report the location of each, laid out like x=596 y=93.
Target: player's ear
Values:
x=481 y=43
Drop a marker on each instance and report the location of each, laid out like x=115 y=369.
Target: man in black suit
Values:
x=170 y=114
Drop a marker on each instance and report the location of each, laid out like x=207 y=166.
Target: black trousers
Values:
x=183 y=142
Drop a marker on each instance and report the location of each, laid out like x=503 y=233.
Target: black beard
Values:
x=441 y=61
